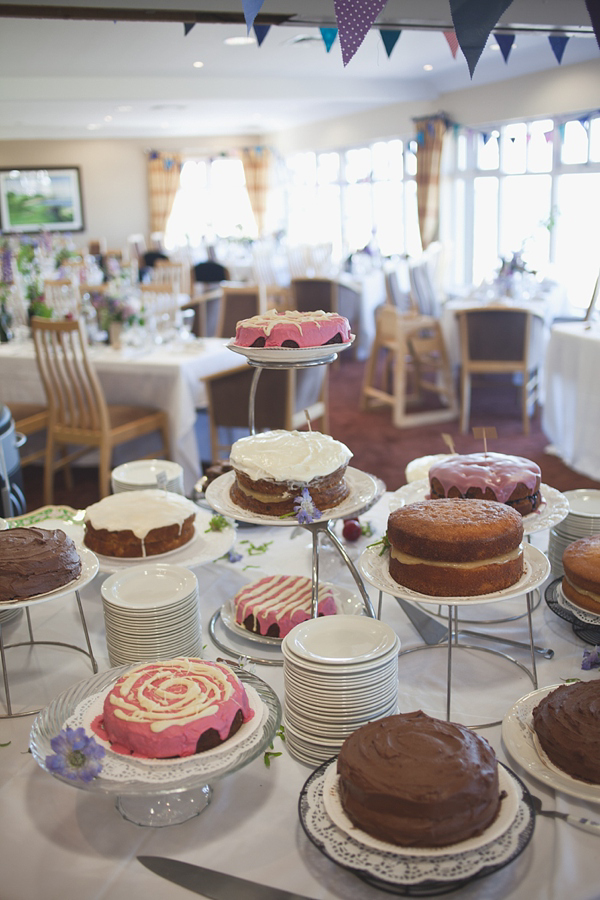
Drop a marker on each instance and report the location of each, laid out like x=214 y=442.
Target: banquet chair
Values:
x=423 y=292
x=78 y=412
x=308 y=294
x=398 y=291
x=61 y=297
x=159 y=302
x=285 y=398
x=30 y=419
x=408 y=358
x=501 y=340
x=239 y=302
x=170 y=275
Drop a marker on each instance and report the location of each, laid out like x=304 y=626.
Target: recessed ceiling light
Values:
x=108 y=118
x=240 y=41
x=124 y=108
x=93 y=127
x=198 y=64
x=428 y=67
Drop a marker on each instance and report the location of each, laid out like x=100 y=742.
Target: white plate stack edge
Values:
x=582 y=520
x=145 y=474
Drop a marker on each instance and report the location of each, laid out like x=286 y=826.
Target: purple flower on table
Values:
x=76 y=756
x=591 y=659
x=306 y=511
x=233 y=557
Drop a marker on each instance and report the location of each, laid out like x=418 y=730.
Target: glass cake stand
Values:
x=156 y=792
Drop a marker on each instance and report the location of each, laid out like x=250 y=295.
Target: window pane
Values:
x=461 y=152
x=488 y=154
x=485 y=242
x=389 y=225
x=578 y=235
x=539 y=149
x=514 y=148
x=303 y=168
x=575 y=143
x=358 y=165
x=328 y=168
x=413 y=233
x=525 y=210
x=387 y=160
x=358 y=221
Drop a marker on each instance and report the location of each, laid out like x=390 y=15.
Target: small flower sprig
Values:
x=76 y=756
x=383 y=542
x=591 y=659
x=217 y=523
x=305 y=509
x=256 y=549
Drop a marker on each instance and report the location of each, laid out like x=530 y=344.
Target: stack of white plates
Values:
x=144 y=474
x=582 y=520
x=151 y=612
x=340 y=672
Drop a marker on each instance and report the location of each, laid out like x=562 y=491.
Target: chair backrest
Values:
x=398 y=288
x=158 y=301
x=73 y=392
x=61 y=297
x=210 y=272
x=282 y=396
x=237 y=303
x=423 y=290
x=314 y=293
x=298 y=260
x=504 y=337
x=167 y=274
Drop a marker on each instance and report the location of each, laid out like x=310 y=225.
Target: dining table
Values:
x=61 y=840
x=166 y=375
x=571 y=412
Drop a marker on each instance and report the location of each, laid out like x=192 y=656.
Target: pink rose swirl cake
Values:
x=273 y=605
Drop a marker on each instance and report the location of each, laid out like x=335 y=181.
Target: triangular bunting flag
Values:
x=261 y=32
x=354 y=21
x=505 y=42
x=251 y=10
x=593 y=7
x=486 y=136
x=473 y=22
x=452 y=42
x=329 y=35
x=389 y=36
x=187 y=27
x=558 y=42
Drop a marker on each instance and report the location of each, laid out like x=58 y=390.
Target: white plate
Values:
x=142 y=472
x=333 y=640
x=290 y=354
x=584 y=502
x=346 y=603
x=553 y=509
x=584 y=615
x=503 y=821
x=363 y=490
x=204 y=547
x=89 y=568
x=374 y=566
x=149 y=586
x=518 y=738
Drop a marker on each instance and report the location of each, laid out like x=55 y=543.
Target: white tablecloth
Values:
x=58 y=841
x=571 y=415
x=167 y=377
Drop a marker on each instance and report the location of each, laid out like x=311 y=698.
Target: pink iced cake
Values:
x=293 y=329
x=513 y=480
x=273 y=605
x=174 y=708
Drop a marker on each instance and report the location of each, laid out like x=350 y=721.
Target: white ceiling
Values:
x=136 y=79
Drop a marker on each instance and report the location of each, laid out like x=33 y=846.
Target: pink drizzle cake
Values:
x=174 y=708
x=274 y=604
x=293 y=329
x=512 y=480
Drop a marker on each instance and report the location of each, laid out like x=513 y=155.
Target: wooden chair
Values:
x=78 y=413
x=500 y=340
x=414 y=361
x=170 y=276
x=239 y=302
x=284 y=398
x=314 y=293
x=158 y=301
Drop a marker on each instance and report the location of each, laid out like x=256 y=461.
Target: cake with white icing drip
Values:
x=272 y=469
x=273 y=605
x=135 y=524
x=292 y=329
x=175 y=708
x=513 y=480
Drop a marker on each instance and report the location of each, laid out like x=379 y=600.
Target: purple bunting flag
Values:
x=251 y=10
x=593 y=7
x=505 y=42
x=473 y=23
x=389 y=36
x=452 y=42
x=329 y=35
x=261 y=32
x=558 y=42
x=354 y=21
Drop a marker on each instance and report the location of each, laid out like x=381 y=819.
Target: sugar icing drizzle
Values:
x=499 y=471
x=277 y=597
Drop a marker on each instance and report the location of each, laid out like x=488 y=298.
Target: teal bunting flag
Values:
x=593 y=7
x=558 y=42
x=354 y=21
x=187 y=27
x=251 y=10
x=473 y=24
x=505 y=42
x=261 y=32
x=389 y=36
x=329 y=35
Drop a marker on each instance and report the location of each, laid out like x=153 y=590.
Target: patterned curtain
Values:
x=163 y=181
x=257 y=163
x=430 y=138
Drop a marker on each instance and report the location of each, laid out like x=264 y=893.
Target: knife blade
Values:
x=431 y=631
x=215 y=885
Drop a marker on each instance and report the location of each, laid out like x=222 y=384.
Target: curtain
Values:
x=430 y=139
x=257 y=163
x=163 y=182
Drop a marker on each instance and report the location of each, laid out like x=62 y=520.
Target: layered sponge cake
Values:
x=292 y=329
x=581 y=582
x=512 y=480
x=455 y=548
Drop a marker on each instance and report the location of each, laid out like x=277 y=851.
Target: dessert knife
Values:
x=215 y=885
x=584 y=824
x=432 y=631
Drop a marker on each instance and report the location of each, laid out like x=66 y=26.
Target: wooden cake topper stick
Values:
x=485 y=433
x=447 y=439
x=307 y=419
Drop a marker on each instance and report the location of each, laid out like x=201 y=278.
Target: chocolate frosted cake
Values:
x=35 y=561
x=455 y=548
x=513 y=480
x=417 y=781
x=293 y=329
x=581 y=582
x=567 y=725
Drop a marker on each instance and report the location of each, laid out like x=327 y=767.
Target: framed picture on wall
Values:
x=41 y=199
